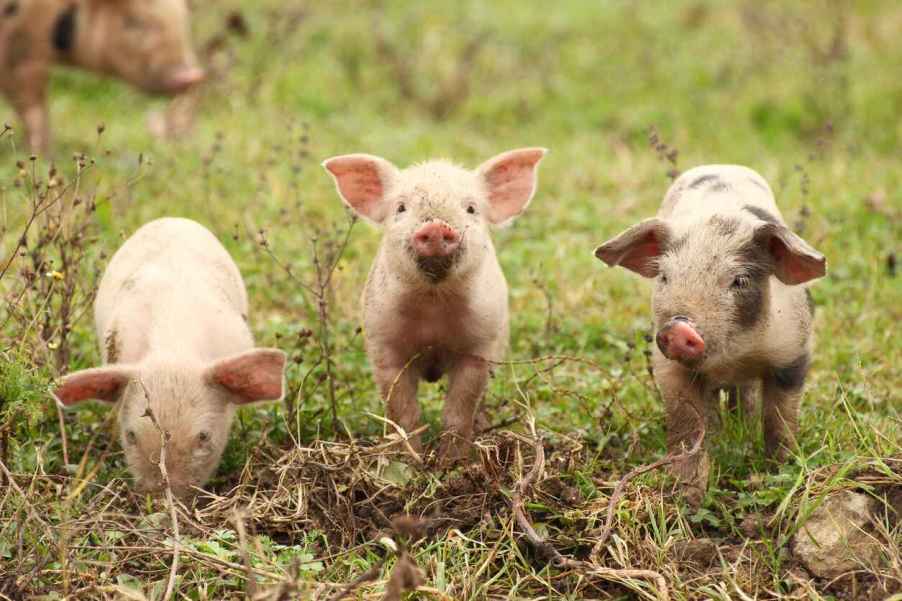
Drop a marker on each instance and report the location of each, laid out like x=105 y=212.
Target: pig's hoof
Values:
x=693 y=494
x=453 y=450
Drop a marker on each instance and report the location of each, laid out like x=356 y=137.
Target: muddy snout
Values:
x=680 y=341
x=436 y=239
x=436 y=246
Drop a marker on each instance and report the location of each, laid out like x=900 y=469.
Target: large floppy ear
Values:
x=795 y=261
x=638 y=248
x=255 y=375
x=100 y=383
x=362 y=181
x=510 y=179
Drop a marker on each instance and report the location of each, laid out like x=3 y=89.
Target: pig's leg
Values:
x=782 y=393
x=399 y=391
x=467 y=380
x=30 y=102
x=687 y=409
x=37 y=126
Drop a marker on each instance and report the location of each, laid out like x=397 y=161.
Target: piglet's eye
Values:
x=130 y=437
x=663 y=278
x=203 y=436
x=739 y=282
x=401 y=208
x=471 y=210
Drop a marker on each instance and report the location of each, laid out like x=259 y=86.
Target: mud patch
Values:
x=111 y=346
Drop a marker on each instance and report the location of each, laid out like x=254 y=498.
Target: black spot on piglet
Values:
x=792 y=376
x=11 y=8
x=761 y=214
x=64 y=30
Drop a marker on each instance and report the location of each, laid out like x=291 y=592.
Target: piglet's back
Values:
x=718 y=190
x=173 y=279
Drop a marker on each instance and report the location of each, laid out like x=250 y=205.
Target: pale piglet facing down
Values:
x=171 y=312
x=144 y=42
x=435 y=301
x=730 y=305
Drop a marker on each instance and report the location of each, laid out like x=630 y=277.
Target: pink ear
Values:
x=637 y=248
x=362 y=181
x=100 y=383
x=256 y=375
x=511 y=181
x=795 y=261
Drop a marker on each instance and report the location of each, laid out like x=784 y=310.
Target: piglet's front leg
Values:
x=29 y=85
x=687 y=411
x=467 y=380
x=398 y=385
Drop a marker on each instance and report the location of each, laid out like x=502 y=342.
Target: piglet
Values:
x=435 y=301
x=730 y=305
x=144 y=42
x=171 y=312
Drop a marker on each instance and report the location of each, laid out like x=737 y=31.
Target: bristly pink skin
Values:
x=730 y=303
x=435 y=302
x=172 y=309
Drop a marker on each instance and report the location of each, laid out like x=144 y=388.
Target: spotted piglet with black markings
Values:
x=144 y=42
x=730 y=305
x=436 y=300
x=171 y=311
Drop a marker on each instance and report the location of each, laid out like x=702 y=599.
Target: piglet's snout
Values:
x=436 y=239
x=184 y=78
x=679 y=341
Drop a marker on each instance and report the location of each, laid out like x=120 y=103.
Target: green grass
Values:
x=807 y=94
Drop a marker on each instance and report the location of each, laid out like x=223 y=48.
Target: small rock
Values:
x=702 y=551
x=832 y=541
x=753 y=525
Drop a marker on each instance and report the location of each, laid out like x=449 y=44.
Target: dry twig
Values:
x=164 y=439
x=547 y=550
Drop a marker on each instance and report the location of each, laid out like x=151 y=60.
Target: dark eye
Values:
x=663 y=278
x=739 y=282
x=130 y=437
x=203 y=436
x=132 y=22
x=401 y=208
x=471 y=209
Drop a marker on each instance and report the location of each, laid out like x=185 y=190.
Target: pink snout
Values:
x=436 y=239
x=184 y=78
x=679 y=341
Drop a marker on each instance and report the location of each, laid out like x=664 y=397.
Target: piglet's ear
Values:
x=795 y=261
x=511 y=179
x=362 y=181
x=637 y=248
x=255 y=375
x=101 y=384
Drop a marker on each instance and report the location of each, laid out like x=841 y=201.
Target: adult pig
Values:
x=730 y=305
x=171 y=311
x=144 y=42
x=436 y=301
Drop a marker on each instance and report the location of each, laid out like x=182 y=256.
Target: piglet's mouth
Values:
x=436 y=269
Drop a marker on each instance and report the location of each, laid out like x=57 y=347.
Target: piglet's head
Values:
x=192 y=404
x=145 y=42
x=436 y=215
x=713 y=281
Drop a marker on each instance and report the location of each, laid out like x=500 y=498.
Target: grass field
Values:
x=623 y=94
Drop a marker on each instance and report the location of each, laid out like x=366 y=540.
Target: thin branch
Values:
x=621 y=486
x=164 y=439
x=548 y=551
